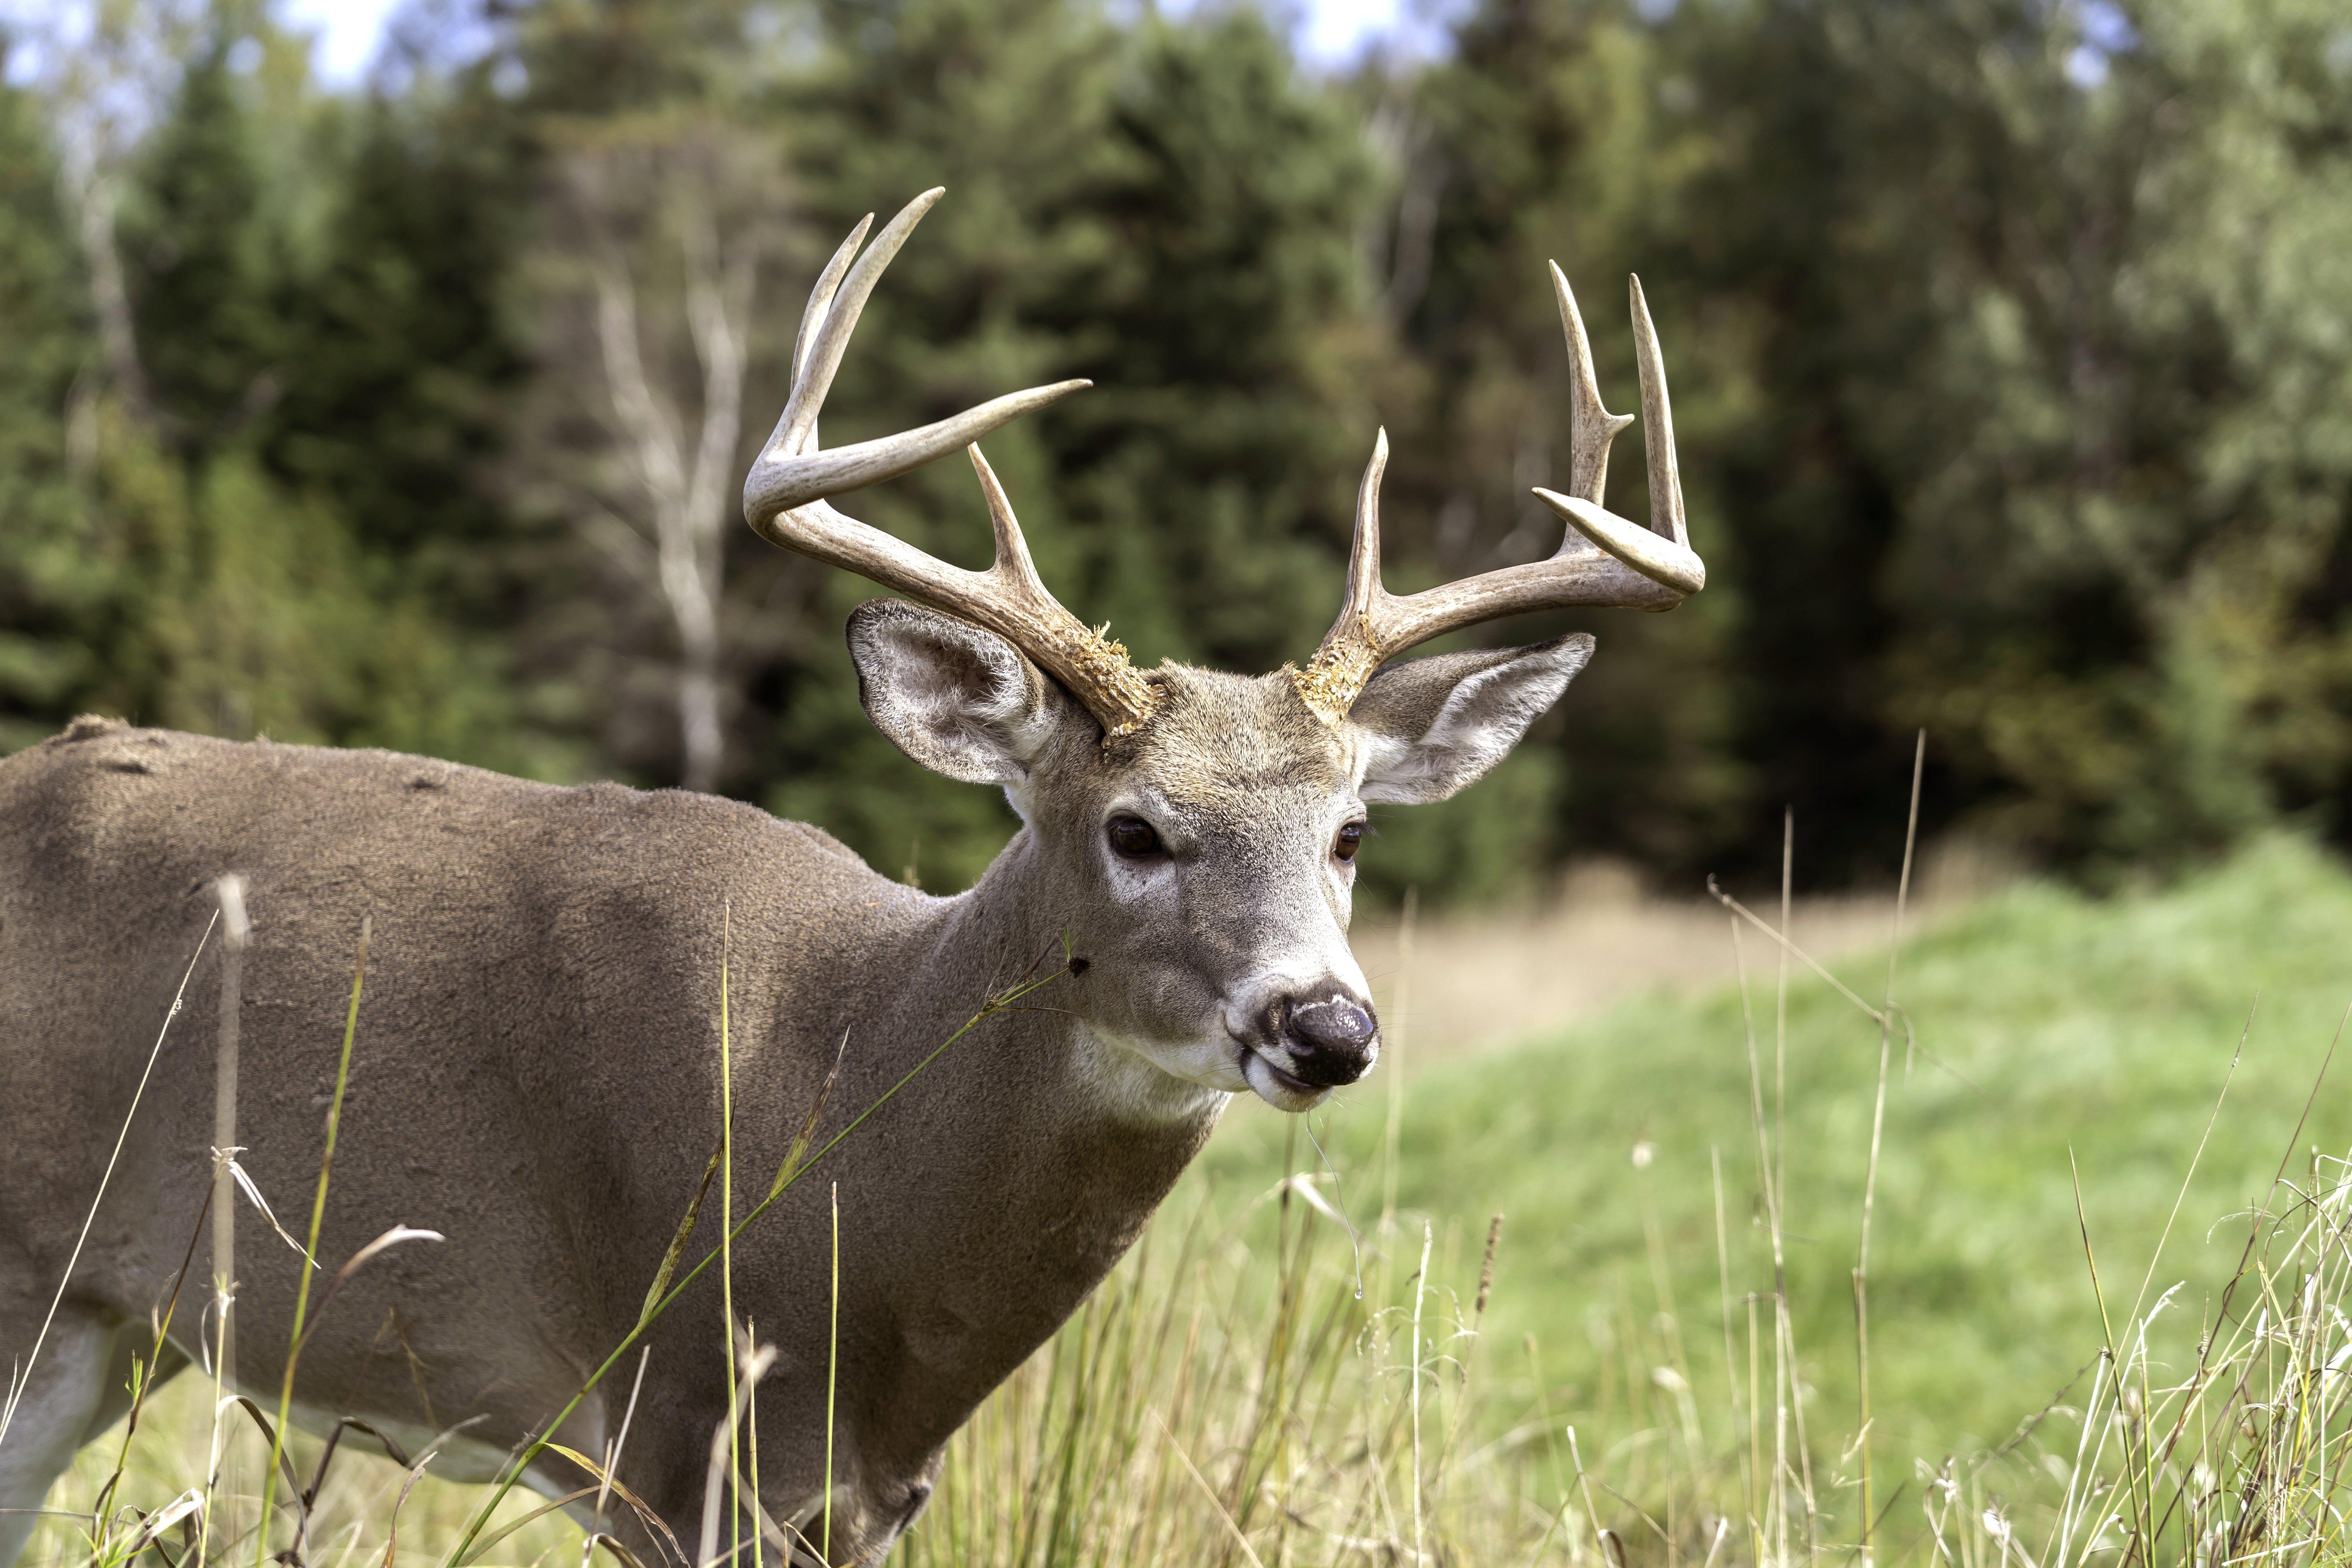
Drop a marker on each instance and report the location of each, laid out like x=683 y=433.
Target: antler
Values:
x=1605 y=561
x=786 y=496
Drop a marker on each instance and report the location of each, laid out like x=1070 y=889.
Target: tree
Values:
x=2006 y=340
x=2005 y=373
x=202 y=265
x=401 y=350
x=1166 y=210
x=671 y=219
x=1552 y=135
x=2046 y=376
x=2161 y=453
x=48 y=587
x=195 y=585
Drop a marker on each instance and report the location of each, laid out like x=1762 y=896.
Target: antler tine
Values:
x=1364 y=588
x=785 y=497
x=1661 y=551
x=1013 y=558
x=1011 y=600
x=1365 y=591
x=1634 y=568
x=790 y=472
x=1591 y=426
x=820 y=301
x=1351 y=649
x=842 y=310
x=1657 y=428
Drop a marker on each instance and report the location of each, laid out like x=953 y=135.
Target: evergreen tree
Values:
x=2007 y=405
x=50 y=589
x=233 y=601
x=2050 y=457
x=403 y=367
x=2148 y=354
x=400 y=352
x=1006 y=105
x=1169 y=212
x=1555 y=133
x=1210 y=474
x=1797 y=254
x=202 y=265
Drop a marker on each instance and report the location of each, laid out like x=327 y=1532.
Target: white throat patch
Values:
x=1127 y=1082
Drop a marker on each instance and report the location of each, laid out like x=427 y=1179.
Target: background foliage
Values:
x=2012 y=345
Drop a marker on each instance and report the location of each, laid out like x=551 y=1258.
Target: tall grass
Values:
x=1246 y=1390
x=1275 y=1378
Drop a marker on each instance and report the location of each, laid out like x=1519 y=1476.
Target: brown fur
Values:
x=537 y=1076
x=537 y=1066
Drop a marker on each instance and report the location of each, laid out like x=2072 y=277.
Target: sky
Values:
x=1330 y=32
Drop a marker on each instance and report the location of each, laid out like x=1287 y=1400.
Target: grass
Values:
x=1601 y=1385
x=2066 y=1034
x=2063 y=1025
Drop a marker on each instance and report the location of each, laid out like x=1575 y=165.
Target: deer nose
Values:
x=1330 y=1042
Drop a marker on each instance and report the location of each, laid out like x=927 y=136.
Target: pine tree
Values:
x=1210 y=474
x=2145 y=348
x=1003 y=104
x=240 y=599
x=202 y=265
x=1555 y=133
x=2050 y=454
x=400 y=350
x=1166 y=210
x=49 y=588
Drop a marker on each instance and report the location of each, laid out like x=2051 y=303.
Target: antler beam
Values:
x=787 y=497
x=1605 y=561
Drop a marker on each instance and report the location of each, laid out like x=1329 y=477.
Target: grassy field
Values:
x=1252 y=1388
x=2059 y=1026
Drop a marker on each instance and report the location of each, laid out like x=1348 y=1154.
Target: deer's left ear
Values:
x=1435 y=726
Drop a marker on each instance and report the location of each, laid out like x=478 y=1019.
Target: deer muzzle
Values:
x=1306 y=1045
x=1331 y=1042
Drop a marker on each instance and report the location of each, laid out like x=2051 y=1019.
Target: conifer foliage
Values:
x=2009 y=344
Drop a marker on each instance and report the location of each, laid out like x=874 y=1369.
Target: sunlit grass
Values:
x=2048 y=1022
x=1609 y=1382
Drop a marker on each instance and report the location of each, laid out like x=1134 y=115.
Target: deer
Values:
x=537 y=1073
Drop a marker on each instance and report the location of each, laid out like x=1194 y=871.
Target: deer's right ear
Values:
x=960 y=701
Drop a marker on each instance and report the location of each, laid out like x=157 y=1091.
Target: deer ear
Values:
x=1433 y=726
x=962 y=701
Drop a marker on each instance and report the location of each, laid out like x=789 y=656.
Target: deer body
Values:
x=536 y=1076
x=537 y=1071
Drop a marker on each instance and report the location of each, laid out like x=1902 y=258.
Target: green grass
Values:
x=1229 y=1396
x=2104 y=1027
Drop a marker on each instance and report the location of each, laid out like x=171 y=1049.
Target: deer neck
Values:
x=1046 y=1148
x=1017 y=927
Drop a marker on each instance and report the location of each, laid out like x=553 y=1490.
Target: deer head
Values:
x=1200 y=829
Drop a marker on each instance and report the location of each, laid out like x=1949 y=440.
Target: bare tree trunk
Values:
x=103 y=77
x=686 y=496
x=1399 y=251
x=94 y=197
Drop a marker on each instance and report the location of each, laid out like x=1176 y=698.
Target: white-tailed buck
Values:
x=538 y=1068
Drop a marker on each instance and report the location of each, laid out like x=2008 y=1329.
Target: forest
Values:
x=2011 y=340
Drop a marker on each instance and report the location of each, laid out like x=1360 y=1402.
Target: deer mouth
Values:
x=1282 y=1090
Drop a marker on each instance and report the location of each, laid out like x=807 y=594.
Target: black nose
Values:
x=1330 y=1042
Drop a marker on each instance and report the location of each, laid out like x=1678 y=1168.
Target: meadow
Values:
x=2049 y=1025
x=2102 y=1327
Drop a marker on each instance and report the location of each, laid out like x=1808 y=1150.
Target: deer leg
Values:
x=61 y=1395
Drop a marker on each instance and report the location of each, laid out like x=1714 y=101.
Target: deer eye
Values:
x=1133 y=838
x=1351 y=838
